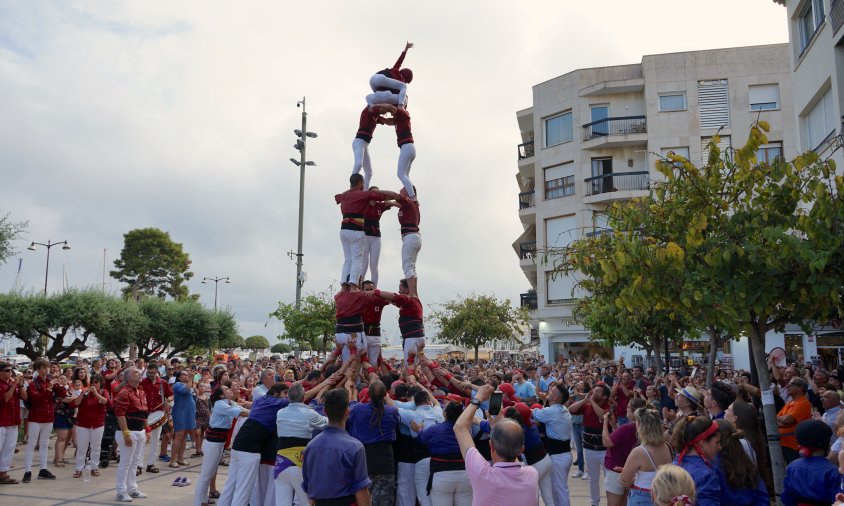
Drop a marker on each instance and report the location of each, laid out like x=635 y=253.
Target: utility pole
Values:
x=216 y=281
x=301 y=141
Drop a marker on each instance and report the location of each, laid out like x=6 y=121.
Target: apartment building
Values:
x=592 y=137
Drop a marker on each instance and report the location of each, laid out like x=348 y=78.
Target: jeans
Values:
x=639 y=498
x=577 y=437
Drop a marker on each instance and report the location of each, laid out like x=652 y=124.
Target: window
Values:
x=600 y=225
x=714 y=103
x=768 y=153
x=558 y=129
x=560 y=287
x=560 y=231
x=820 y=121
x=764 y=97
x=809 y=22
x=682 y=151
x=559 y=181
x=723 y=146
x=672 y=102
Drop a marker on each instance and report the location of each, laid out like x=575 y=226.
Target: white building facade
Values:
x=592 y=137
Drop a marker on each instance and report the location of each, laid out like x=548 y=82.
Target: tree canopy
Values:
x=311 y=326
x=476 y=320
x=10 y=231
x=281 y=348
x=152 y=264
x=256 y=343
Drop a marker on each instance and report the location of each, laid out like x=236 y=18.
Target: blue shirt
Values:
x=440 y=439
x=557 y=420
x=298 y=420
x=743 y=496
x=361 y=423
x=223 y=413
x=425 y=415
x=812 y=479
x=334 y=465
x=265 y=409
x=707 y=482
x=524 y=390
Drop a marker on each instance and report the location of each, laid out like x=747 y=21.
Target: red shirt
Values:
x=403 y=133
x=394 y=73
x=40 y=399
x=372 y=311
x=349 y=311
x=90 y=413
x=590 y=419
x=408 y=215
x=368 y=121
x=621 y=400
x=153 y=392
x=372 y=218
x=410 y=316
x=130 y=399
x=353 y=204
x=10 y=411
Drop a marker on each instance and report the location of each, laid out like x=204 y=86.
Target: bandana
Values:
x=695 y=444
x=682 y=498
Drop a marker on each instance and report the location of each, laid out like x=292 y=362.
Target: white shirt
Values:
x=259 y=392
x=425 y=415
x=298 y=420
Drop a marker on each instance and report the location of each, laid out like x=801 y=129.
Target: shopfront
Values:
x=830 y=349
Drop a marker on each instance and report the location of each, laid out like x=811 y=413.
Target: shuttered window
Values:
x=558 y=129
x=560 y=287
x=672 y=102
x=723 y=144
x=764 y=97
x=714 y=103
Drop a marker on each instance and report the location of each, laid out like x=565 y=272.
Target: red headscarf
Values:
x=695 y=444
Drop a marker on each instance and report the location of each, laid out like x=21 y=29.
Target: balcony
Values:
x=616 y=186
x=836 y=15
x=527 y=250
x=525 y=150
x=526 y=199
x=529 y=300
x=615 y=132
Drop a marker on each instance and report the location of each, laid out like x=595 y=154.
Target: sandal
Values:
x=95 y=472
x=184 y=463
x=174 y=465
x=8 y=480
x=214 y=494
x=77 y=474
x=196 y=455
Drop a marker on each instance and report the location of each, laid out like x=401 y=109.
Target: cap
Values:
x=815 y=434
x=524 y=412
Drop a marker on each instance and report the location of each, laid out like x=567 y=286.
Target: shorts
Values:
x=612 y=482
x=61 y=422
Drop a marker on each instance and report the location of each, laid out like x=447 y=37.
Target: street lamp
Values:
x=301 y=141
x=48 y=245
x=216 y=281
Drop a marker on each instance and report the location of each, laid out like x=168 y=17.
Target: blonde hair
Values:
x=648 y=427
x=670 y=483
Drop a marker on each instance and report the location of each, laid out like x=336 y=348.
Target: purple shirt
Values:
x=334 y=465
x=361 y=423
x=624 y=438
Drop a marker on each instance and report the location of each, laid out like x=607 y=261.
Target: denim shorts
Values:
x=639 y=498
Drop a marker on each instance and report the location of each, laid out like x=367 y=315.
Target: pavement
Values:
x=66 y=490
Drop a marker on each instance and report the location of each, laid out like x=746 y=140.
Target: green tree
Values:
x=476 y=320
x=311 y=326
x=256 y=343
x=10 y=231
x=152 y=264
x=281 y=348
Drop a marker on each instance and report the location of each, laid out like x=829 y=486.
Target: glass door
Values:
x=602 y=175
x=600 y=113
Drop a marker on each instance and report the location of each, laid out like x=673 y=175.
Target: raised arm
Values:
x=397 y=65
x=463 y=425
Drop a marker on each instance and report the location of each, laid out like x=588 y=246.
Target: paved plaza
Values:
x=66 y=490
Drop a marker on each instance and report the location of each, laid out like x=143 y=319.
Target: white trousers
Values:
x=387 y=96
x=352 y=241
x=243 y=474
x=546 y=487
x=371 y=256
x=360 y=148
x=264 y=492
x=412 y=345
x=39 y=434
x=423 y=469
x=451 y=488
x=288 y=488
x=594 y=465
x=561 y=464
x=8 y=440
x=84 y=439
x=130 y=459
x=356 y=338
x=406 y=484
x=213 y=453
x=373 y=349
x=407 y=153
x=154 y=445
x=410 y=246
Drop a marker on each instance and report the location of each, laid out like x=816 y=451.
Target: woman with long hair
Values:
x=644 y=461
x=184 y=416
x=673 y=486
x=81 y=374
x=91 y=408
x=698 y=442
x=745 y=418
x=223 y=412
x=741 y=484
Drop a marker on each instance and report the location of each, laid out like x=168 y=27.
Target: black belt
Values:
x=593 y=440
x=348 y=500
x=535 y=454
x=558 y=446
x=444 y=463
x=372 y=329
x=136 y=420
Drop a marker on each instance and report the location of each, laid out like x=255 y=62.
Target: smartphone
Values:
x=495 y=401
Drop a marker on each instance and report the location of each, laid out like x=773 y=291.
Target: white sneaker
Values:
x=577 y=474
x=123 y=498
x=585 y=476
x=137 y=494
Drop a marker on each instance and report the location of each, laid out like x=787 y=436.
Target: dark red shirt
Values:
x=408 y=215
x=403 y=132
x=372 y=218
x=368 y=121
x=393 y=73
x=40 y=400
x=349 y=307
x=353 y=204
x=372 y=311
x=153 y=393
x=10 y=411
x=128 y=400
x=410 y=316
x=90 y=413
x=590 y=419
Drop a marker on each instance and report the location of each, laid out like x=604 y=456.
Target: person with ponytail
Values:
x=673 y=486
x=223 y=412
x=741 y=484
x=644 y=460
x=375 y=424
x=698 y=442
x=811 y=479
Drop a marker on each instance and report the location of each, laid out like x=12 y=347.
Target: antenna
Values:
x=18 y=275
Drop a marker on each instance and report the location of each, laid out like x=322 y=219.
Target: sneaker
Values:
x=137 y=494
x=46 y=475
x=585 y=476
x=27 y=477
x=577 y=474
x=164 y=458
x=139 y=471
x=184 y=482
x=177 y=482
x=123 y=498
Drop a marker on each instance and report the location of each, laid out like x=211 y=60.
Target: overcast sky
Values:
x=180 y=115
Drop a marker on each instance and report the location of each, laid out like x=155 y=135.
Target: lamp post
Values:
x=47 y=245
x=216 y=282
x=301 y=140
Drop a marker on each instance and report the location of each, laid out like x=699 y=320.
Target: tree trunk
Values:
x=648 y=352
x=757 y=341
x=476 y=354
x=657 y=359
x=714 y=342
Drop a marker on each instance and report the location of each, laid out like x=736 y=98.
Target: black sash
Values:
x=217 y=434
x=253 y=437
x=136 y=420
x=349 y=324
x=558 y=446
x=379 y=458
x=592 y=439
x=482 y=445
x=349 y=500
x=420 y=451
x=411 y=326
x=404 y=449
x=292 y=442
x=444 y=463
x=535 y=454
x=372 y=329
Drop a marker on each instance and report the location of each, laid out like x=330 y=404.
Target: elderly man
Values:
x=295 y=425
x=130 y=408
x=832 y=407
x=795 y=411
x=505 y=482
x=267 y=381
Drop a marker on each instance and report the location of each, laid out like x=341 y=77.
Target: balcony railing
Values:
x=615 y=126
x=527 y=250
x=617 y=181
x=529 y=300
x=836 y=15
x=526 y=199
x=525 y=150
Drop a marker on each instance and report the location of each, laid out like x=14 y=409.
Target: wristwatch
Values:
x=475 y=402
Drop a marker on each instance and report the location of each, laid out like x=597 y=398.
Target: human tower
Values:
x=359 y=301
